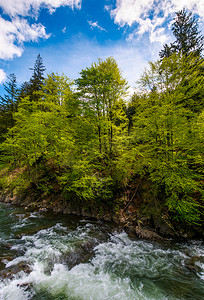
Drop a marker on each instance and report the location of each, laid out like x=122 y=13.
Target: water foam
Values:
x=118 y=268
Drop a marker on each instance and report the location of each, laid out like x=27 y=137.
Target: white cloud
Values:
x=196 y=6
x=16 y=30
x=2 y=76
x=130 y=56
x=158 y=35
x=130 y=11
x=151 y=15
x=32 y=7
x=14 y=33
x=95 y=25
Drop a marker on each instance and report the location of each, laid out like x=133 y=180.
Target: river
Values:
x=45 y=256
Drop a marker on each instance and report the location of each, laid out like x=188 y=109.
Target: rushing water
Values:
x=46 y=257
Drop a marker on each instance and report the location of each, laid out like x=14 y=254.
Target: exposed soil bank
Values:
x=153 y=225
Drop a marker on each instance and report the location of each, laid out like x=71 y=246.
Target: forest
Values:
x=88 y=139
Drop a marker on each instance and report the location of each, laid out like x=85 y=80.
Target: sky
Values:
x=72 y=34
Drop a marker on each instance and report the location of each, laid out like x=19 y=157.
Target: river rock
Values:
x=147 y=234
x=81 y=254
x=190 y=264
x=13 y=270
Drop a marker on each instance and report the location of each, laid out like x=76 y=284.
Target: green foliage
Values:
x=167 y=133
x=36 y=82
x=83 y=183
x=41 y=131
x=188 y=41
x=86 y=142
x=101 y=88
x=185 y=29
x=14 y=181
x=8 y=105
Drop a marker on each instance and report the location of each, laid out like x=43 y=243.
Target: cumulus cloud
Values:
x=32 y=7
x=153 y=27
x=95 y=25
x=130 y=11
x=2 y=76
x=196 y=6
x=15 y=29
x=14 y=33
x=150 y=15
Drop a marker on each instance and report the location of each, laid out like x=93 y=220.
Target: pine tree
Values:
x=166 y=51
x=8 y=104
x=24 y=90
x=188 y=38
x=185 y=29
x=37 y=78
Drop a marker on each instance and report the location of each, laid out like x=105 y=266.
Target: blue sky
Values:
x=72 y=34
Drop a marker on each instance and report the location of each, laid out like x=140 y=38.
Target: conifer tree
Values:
x=8 y=104
x=24 y=90
x=188 y=38
x=37 y=78
x=185 y=29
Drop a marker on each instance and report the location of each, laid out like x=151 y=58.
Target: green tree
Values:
x=24 y=90
x=36 y=81
x=188 y=38
x=58 y=108
x=101 y=90
x=163 y=135
x=41 y=131
x=131 y=109
x=8 y=105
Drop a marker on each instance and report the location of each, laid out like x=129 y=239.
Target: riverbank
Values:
x=51 y=256
x=150 y=223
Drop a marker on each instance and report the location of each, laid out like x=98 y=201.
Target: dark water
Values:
x=46 y=257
